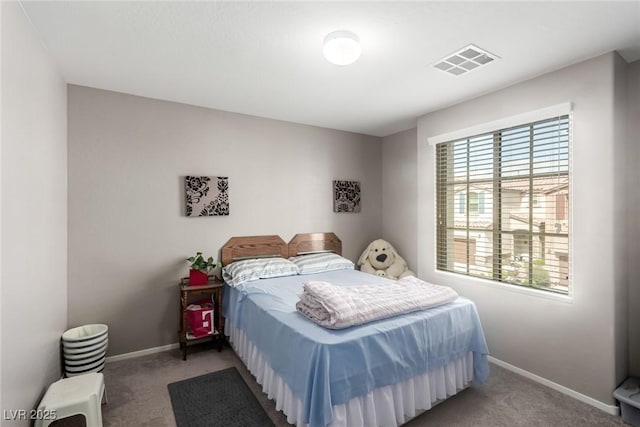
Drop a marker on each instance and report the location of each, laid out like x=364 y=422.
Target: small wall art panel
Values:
x=207 y=195
x=346 y=196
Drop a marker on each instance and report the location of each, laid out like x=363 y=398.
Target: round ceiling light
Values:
x=342 y=47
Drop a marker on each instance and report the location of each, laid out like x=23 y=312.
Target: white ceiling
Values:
x=265 y=58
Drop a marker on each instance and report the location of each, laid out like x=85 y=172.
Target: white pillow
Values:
x=318 y=263
x=239 y=272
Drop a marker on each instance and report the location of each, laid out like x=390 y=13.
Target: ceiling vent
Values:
x=466 y=59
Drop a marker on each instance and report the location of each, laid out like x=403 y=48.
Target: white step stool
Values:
x=81 y=394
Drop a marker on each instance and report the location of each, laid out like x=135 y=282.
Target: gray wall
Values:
x=34 y=214
x=128 y=235
x=633 y=213
x=621 y=205
x=576 y=343
x=400 y=194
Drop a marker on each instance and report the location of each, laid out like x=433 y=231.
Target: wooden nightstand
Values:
x=188 y=294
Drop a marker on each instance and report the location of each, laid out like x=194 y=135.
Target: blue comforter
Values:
x=326 y=367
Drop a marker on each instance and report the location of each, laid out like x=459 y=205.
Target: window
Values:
x=502 y=205
x=476 y=203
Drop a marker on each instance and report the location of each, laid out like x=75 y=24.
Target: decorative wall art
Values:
x=207 y=195
x=346 y=196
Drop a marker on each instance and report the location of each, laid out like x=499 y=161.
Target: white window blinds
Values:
x=502 y=204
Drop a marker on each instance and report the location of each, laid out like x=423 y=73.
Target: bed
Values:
x=381 y=373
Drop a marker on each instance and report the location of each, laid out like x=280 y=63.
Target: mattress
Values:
x=324 y=370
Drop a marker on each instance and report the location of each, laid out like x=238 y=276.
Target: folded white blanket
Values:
x=338 y=307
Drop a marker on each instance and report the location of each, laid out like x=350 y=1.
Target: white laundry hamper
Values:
x=84 y=349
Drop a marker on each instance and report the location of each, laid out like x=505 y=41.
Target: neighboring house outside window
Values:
x=502 y=205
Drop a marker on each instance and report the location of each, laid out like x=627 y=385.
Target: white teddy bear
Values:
x=380 y=258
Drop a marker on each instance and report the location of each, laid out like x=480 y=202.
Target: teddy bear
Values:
x=380 y=258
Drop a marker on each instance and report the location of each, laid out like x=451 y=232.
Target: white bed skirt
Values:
x=385 y=406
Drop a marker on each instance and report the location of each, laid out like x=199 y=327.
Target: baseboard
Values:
x=142 y=352
x=609 y=409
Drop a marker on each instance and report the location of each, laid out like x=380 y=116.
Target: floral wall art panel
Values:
x=207 y=195
x=346 y=196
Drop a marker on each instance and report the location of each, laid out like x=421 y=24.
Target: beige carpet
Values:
x=138 y=396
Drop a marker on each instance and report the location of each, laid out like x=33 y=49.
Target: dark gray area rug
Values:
x=217 y=399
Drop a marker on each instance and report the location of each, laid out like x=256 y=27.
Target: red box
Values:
x=200 y=319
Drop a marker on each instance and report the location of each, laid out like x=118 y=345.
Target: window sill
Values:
x=474 y=281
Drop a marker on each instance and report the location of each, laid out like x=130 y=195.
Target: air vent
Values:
x=466 y=59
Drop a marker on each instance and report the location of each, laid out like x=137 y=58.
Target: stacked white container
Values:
x=84 y=349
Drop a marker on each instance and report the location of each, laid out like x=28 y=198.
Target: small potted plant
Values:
x=200 y=267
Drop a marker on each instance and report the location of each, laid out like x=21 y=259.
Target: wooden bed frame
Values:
x=305 y=243
x=238 y=248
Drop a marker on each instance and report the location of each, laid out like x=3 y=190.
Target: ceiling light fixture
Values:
x=341 y=47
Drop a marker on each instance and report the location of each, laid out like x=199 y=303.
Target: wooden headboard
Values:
x=253 y=247
x=304 y=243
